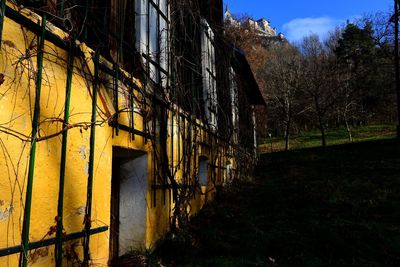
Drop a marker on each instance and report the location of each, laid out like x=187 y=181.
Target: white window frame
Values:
x=234 y=104
x=209 y=74
x=152 y=31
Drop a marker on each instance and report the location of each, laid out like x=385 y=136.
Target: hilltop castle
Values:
x=262 y=26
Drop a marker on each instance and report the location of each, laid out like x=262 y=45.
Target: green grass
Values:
x=333 y=137
x=338 y=206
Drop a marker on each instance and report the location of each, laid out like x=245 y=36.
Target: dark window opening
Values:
x=187 y=50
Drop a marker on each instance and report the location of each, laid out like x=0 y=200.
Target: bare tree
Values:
x=319 y=80
x=282 y=75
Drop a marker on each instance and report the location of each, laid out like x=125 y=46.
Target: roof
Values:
x=252 y=88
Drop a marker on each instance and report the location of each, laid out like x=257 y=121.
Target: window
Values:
x=209 y=74
x=203 y=182
x=121 y=32
x=152 y=20
x=203 y=171
x=187 y=90
x=228 y=174
x=234 y=104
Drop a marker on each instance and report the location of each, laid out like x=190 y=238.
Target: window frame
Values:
x=234 y=97
x=209 y=73
x=152 y=40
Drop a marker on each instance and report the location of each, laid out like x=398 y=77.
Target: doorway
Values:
x=128 y=201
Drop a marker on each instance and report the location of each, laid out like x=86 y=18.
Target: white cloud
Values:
x=298 y=28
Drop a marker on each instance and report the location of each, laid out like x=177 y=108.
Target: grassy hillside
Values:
x=337 y=206
x=333 y=137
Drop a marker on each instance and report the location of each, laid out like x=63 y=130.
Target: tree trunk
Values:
x=396 y=61
x=287 y=136
x=287 y=132
x=321 y=121
x=348 y=127
x=322 y=129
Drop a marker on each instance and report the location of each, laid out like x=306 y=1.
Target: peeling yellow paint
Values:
x=18 y=69
x=5 y=210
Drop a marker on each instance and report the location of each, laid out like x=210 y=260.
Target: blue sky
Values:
x=297 y=18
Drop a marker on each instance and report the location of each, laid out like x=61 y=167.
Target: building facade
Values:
x=118 y=121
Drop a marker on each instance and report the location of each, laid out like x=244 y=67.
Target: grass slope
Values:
x=338 y=206
x=333 y=137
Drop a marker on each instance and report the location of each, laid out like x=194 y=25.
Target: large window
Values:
x=209 y=74
x=152 y=23
x=234 y=104
x=121 y=32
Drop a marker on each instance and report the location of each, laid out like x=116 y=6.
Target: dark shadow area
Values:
x=337 y=206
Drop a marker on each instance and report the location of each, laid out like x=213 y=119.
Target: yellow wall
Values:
x=16 y=108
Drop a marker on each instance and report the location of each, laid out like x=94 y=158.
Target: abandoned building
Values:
x=118 y=121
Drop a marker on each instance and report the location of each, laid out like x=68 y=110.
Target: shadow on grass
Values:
x=335 y=206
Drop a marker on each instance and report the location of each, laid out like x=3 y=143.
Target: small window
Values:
x=203 y=171
x=228 y=175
